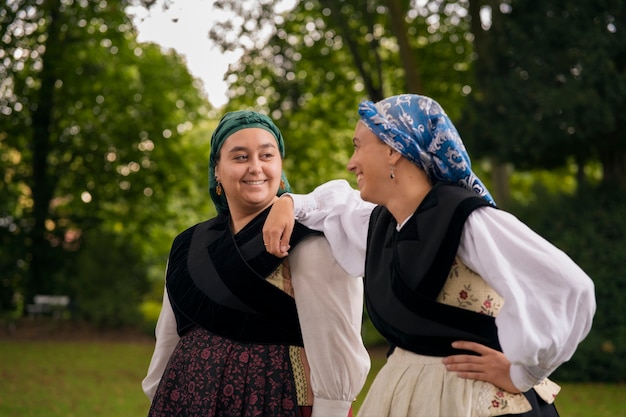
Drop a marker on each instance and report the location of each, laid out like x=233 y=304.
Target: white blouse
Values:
x=549 y=301
x=330 y=308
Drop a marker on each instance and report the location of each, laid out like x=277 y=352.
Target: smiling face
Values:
x=249 y=169
x=371 y=164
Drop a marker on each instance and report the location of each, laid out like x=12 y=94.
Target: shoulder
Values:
x=183 y=239
x=379 y=212
x=458 y=201
x=185 y=234
x=455 y=192
x=313 y=253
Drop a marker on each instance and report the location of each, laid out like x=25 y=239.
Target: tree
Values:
x=310 y=66
x=538 y=80
x=561 y=78
x=93 y=135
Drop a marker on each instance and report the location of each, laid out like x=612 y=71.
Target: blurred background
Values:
x=104 y=133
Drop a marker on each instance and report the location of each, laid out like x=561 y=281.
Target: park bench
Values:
x=53 y=305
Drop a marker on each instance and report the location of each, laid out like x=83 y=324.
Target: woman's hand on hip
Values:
x=489 y=365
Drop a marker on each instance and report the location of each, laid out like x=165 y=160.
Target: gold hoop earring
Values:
x=218 y=189
x=392 y=172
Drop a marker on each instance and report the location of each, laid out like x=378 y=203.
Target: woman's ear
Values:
x=393 y=156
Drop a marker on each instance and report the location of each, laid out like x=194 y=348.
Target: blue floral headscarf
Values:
x=230 y=123
x=418 y=128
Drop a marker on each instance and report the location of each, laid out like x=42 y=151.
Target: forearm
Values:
x=338 y=210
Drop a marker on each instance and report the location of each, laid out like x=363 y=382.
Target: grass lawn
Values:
x=102 y=378
x=73 y=379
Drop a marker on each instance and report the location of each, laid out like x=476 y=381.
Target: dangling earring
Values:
x=282 y=184
x=392 y=172
x=218 y=189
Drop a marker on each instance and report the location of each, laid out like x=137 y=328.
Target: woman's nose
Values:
x=350 y=165
x=255 y=165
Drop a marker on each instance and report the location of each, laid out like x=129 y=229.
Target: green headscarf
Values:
x=230 y=123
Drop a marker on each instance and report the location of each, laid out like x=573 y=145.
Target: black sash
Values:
x=406 y=270
x=217 y=281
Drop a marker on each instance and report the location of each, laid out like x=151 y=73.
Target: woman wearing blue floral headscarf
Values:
x=478 y=309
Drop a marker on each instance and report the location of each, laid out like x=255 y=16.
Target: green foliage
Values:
x=591 y=229
x=150 y=311
x=322 y=58
x=558 y=88
x=109 y=281
x=94 y=143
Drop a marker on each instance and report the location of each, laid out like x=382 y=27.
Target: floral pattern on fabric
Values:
x=494 y=401
x=209 y=375
x=419 y=128
x=466 y=289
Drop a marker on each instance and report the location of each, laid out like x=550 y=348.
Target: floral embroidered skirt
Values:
x=208 y=375
x=419 y=386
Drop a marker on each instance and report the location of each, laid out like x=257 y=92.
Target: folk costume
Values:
x=457 y=269
x=230 y=335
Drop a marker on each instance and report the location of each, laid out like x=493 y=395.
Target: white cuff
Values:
x=522 y=378
x=330 y=408
x=302 y=205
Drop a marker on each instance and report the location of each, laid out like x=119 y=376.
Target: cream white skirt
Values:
x=419 y=386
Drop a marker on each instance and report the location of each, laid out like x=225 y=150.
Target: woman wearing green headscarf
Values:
x=235 y=319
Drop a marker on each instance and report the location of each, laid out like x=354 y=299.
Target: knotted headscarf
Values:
x=418 y=128
x=229 y=124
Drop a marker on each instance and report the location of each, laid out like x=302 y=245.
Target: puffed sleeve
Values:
x=166 y=340
x=549 y=301
x=330 y=308
x=337 y=209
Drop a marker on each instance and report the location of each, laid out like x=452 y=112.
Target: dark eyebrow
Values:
x=243 y=148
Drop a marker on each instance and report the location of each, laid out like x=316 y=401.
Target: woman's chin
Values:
x=365 y=196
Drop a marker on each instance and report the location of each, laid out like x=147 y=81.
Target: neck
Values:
x=240 y=217
x=409 y=189
x=239 y=222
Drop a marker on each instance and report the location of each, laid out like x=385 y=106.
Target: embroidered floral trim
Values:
x=493 y=401
x=466 y=289
x=499 y=400
x=547 y=390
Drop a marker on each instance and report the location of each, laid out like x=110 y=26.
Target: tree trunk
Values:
x=413 y=78
x=485 y=67
x=500 y=175
x=42 y=185
x=373 y=80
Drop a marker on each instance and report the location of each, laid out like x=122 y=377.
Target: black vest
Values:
x=216 y=280
x=406 y=270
